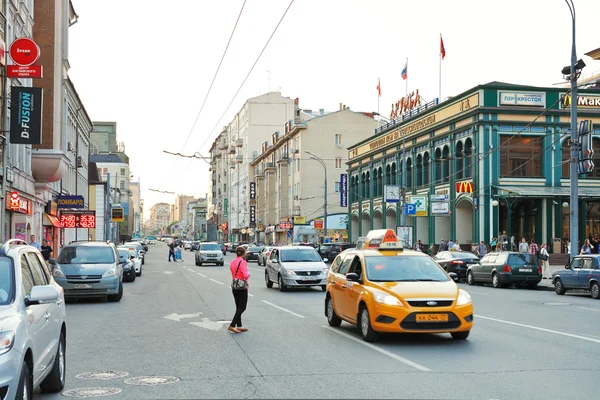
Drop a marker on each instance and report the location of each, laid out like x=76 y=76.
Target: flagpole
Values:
x=378 y=99
x=407 y=77
x=440 y=77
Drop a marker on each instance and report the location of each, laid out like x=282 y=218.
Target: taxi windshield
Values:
x=404 y=269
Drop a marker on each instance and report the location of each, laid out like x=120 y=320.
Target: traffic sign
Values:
x=24 y=52
x=410 y=209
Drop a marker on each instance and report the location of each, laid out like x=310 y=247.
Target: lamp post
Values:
x=313 y=157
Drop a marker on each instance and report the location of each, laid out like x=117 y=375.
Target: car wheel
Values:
x=595 y=289
x=268 y=280
x=366 y=330
x=496 y=281
x=460 y=335
x=199 y=264
x=25 y=386
x=559 y=287
x=55 y=381
x=470 y=279
x=143 y=261
x=332 y=317
x=324 y=288
x=115 y=298
x=282 y=287
x=132 y=278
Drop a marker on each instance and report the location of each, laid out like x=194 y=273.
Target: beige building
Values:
x=238 y=144
x=290 y=185
x=180 y=207
x=159 y=218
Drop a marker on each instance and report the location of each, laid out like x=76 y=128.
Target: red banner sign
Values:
x=18 y=204
x=31 y=71
x=319 y=223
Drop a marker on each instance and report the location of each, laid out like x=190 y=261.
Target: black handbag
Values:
x=237 y=283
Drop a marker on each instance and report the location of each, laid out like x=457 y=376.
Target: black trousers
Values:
x=241 y=301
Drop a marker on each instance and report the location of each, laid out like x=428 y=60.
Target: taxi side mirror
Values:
x=453 y=276
x=352 y=277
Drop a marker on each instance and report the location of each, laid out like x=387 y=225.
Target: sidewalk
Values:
x=546 y=284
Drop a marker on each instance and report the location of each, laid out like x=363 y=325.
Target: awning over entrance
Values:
x=546 y=191
x=51 y=220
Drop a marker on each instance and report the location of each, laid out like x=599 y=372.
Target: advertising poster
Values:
x=21 y=232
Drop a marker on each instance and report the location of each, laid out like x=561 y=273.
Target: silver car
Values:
x=32 y=324
x=209 y=253
x=296 y=266
x=90 y=269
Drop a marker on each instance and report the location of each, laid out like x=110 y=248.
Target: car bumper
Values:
x=252 y=258
x=104 y=287
x=386 y=318
x=299 y=281
x=210 y=260
x=506 y=278
x=10 y=371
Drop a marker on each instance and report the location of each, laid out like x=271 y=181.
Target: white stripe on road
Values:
x=251 y=295
x=202 y=275
x=483 y=294
x=537 y=328
x=591 y=309
x=283 y=309
x=220 y=283
x=380 y=350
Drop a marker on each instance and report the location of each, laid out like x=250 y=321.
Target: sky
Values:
x=148 y=64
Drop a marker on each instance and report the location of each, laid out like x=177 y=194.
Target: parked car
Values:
x=233 y=246
x=135 y=257
x=209 y=253
x=296 y=266
x=583 y=273
x=223 y=249
x=252 y=253
x=456 y=261
x=140 y=248
x=126 y=260
x=151 y=239
x=187 y=245
x=89 y=269
x=264 y=255
x=323 y=250
x=503 y=268
x=195 y=245
x=337 y=248
x=33 y=324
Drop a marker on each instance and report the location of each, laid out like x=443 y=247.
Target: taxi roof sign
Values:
x=383 y=239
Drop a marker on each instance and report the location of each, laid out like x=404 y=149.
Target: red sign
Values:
x=32 y=71
x=24 y=52
x=319 y=223
x=18 y=204
x=464 y=187
x=285 y=225
x=78 y=219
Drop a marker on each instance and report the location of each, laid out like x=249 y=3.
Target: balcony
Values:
x=232 y=150
x=239 y=142
x=48 y=165
x=269 y=165
x=223 y=146
x=239 y=158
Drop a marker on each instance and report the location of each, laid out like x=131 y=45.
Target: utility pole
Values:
x=312 y=156
x=6 y=133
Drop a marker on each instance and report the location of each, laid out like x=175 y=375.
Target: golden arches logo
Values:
x=464 y=187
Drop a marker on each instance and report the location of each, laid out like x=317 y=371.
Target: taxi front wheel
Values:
x=366 y=330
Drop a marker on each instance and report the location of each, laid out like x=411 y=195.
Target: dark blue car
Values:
x=583 y=273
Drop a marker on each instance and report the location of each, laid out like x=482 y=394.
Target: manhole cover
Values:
x=151 y=380
x=102 y=375
x=91 y=392
x=557 y=304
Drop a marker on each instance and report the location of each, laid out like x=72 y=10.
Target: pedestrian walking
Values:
x=482 y=249
x=239 y=287
x=172 y=251
x=34 y=243
x=513 y=243
x=533 y=248
x=504 y=241
x=544 y=256
x=523 y=246
x=587 y=247
x=456 y=246
x=46 y=252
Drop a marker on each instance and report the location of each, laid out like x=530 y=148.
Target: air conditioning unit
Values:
x=294 y=151
x=70 y=146
x=79 y=161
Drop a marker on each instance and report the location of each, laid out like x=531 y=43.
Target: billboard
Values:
x=26 y=115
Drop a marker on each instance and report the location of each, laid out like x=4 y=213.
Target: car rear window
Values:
x=254 y=249
x=463 y=254
x=6 y=281
x=86 y=255
x=522 y=259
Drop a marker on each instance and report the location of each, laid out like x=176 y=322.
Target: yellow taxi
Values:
x=380 y=287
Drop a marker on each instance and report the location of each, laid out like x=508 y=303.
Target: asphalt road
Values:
x=172 y=322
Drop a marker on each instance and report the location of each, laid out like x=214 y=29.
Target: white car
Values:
x=135 y=258
x=209 y=253
x=187 y=245
x=32 y=324
x=296 y=266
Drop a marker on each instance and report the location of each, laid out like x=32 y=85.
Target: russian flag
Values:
x=404 y=71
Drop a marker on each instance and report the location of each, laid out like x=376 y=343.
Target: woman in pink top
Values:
x=239 y=269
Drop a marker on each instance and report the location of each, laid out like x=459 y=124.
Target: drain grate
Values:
x=151 y=380
x=83 y=393
x=102 y=375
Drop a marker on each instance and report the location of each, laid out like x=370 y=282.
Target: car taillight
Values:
x=458 y=262
x=539 y=270
x=507 y=268
x=268 y=253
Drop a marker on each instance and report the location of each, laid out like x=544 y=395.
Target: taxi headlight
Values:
x=58 y=273
x=290 y=272
x=463 y=298
x=387 y=299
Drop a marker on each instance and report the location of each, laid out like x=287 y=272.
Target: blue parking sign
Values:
x=410 y=209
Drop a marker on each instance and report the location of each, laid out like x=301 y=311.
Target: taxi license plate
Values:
x=432 y=317
x=82 y=286
x=525 y=270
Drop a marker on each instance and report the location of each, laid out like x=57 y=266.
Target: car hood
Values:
x=84 y=269
x=409 y=290
x=304 y=266
x=7 y=315
x=209 y=251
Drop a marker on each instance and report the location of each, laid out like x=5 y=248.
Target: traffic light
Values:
x=585 y=163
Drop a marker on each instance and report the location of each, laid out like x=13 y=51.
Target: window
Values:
x=338 y=162
x=521 y=156
x=122 y=184
x=298 y=164
x=336 y=264
x=99 y=172
x=6 y=282
x=123 y=171
x=104 y=171
x=337 y=187
x=338 y=139
x=26 y=277
x=345 y=265
x=37 y=271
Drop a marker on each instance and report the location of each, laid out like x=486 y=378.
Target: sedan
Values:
x=252 y=253
x=504 y=268
x=126 y=261
x=583 y=273
x=296 y=266
x=264 y=254
x=456 y=261
x=135 y=258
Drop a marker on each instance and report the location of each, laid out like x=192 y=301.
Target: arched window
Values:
x=363 y=185
x=445 y=164
x=351 y=195
x=394 y=174
x=388 y=174
x=426 y=162
x=419 y=171
x=438 y=166
x=375 y=183
x=468 y=158
x=460 y=162
x=409 y=180
x=380 y=182
x=368 y=190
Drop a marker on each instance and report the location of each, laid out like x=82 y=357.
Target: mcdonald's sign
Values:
x=464 y=187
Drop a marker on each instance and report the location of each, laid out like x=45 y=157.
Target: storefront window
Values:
x=566 y=155
x=521 y=156
x=468 y=158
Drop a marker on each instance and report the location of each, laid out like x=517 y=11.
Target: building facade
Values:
x=160 y=218
x=289 y=184
x=104 y=137
x=493 y=159
x=180 y=209
x=238 y=144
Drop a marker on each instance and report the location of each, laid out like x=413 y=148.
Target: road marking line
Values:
x=537 y=328
x=283 y=309
x=220 y=283
x=483 y=294
x=251 y=295
x=202 y=275
x=591 y=309
x=380 y=350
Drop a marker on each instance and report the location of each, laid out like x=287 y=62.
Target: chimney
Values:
x=341 y=106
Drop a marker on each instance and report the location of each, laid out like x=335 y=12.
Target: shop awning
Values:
x=546 y=191
x=51 y=220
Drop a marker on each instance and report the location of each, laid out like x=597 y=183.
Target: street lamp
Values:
x=313 y=157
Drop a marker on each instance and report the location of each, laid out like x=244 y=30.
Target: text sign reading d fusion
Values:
x=26 y=115
x=522 y=99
